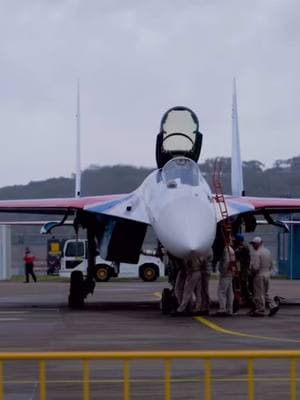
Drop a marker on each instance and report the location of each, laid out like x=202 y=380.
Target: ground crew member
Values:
x=191 y=284
x=29 y=261
x=261 y=267
x=242 y=254
x=178 y=272
x=225 y=290
x=164 y=256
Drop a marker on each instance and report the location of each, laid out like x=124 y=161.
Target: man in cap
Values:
x=261 y=267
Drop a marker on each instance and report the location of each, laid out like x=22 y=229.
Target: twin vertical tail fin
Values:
x=237 y=184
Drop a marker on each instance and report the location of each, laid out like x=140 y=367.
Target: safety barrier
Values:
x=166 y=356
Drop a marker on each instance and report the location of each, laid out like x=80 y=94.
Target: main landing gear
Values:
x=79 y=289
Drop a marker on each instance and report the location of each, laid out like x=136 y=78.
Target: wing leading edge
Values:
x=125 y=206
x=58 y=206
x=259 y=205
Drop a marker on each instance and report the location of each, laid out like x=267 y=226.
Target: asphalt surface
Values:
x=126 y=316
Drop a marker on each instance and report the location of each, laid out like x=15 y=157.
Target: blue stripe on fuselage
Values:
x=240 y=207
x=102 y=207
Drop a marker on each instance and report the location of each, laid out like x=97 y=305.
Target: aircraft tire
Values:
x=167 y=302
x=76 y=296
x=148 y=272
x=102 y=273
x=75 y=302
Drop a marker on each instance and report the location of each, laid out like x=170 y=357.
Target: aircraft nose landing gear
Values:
x=168 y=301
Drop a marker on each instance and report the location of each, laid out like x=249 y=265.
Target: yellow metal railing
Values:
x=166 y=356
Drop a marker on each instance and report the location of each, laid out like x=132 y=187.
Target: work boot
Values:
x=255 y=314
x=221 y=314
x=177 y=313
x=202 y=313
x=273 y=310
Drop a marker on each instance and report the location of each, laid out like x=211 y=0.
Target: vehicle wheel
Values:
x=149 y=272
x=102 y=273
x=168 y=302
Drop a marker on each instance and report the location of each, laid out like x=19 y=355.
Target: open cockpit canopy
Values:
x=179 y=136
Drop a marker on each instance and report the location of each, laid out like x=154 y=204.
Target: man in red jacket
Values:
x=29 y=260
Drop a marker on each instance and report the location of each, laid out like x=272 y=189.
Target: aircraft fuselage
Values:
x=180 y=208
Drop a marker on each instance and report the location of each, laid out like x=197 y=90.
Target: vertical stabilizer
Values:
x=78 y=166
x=237 y=184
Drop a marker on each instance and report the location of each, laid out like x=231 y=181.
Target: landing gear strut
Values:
x=76 y=296
x=80 y=287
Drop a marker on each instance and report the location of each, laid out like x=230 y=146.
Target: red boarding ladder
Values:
x=226 y=231
x=220 y=200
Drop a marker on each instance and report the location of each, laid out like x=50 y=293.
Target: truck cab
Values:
x=75 y=259
x=148 y=268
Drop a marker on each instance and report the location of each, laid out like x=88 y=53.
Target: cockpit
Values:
x=181 y=171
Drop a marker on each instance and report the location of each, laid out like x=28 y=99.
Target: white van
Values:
x=149 y=267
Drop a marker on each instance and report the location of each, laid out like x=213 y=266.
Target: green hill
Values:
x=282 y=179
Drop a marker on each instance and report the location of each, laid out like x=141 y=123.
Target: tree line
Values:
x=281 y=180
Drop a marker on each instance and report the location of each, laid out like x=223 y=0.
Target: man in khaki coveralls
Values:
x=180 y=267
x=191 y=285
x=202 y=302
x=225 y=290
x=261 y=267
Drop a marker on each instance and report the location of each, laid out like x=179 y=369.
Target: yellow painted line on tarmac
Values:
x=218 y=328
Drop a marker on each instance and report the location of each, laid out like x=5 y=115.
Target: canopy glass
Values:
x=181 y=171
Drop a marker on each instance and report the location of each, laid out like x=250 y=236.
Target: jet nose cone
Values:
x=187 y=227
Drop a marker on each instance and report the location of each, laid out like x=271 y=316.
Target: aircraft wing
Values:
x=259 y=205
x=54 y=206
x=125 y=206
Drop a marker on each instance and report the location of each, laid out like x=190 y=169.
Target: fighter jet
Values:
x=175 y=200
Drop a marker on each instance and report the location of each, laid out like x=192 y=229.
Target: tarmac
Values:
x=125 y=315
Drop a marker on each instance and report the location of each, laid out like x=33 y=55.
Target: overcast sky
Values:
x=135 y=59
